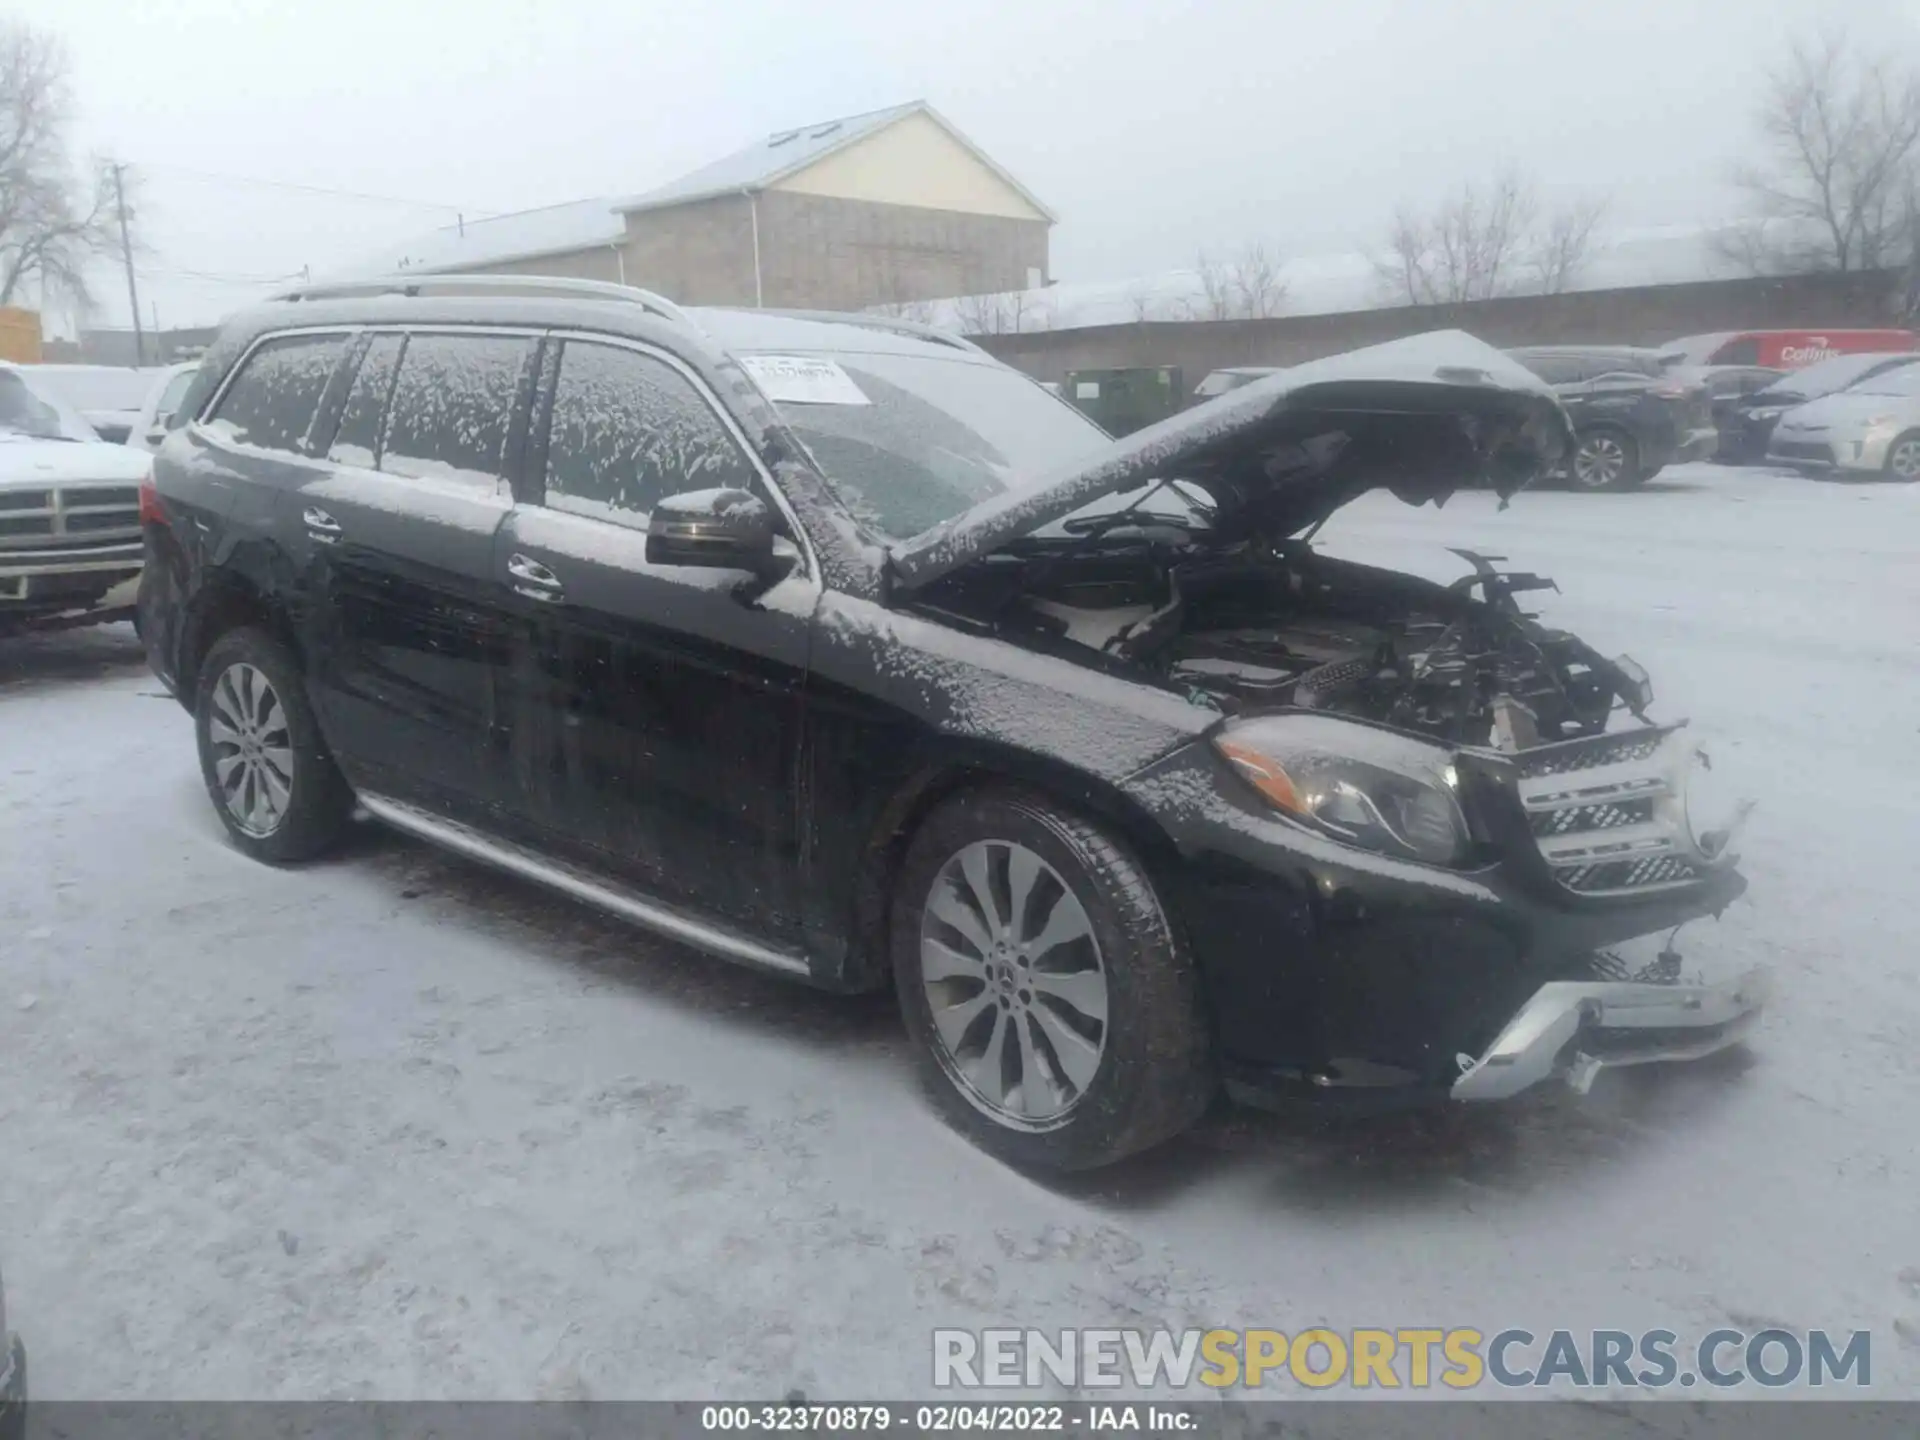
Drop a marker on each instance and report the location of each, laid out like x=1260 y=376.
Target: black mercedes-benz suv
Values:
x=833 y=646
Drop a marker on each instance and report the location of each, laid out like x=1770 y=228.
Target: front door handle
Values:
x=532 y=579
x=320 y=525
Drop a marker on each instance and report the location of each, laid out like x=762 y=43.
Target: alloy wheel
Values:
x=1904 y=462
x=252 y=749
x=1015 y=983
x=1600 y=462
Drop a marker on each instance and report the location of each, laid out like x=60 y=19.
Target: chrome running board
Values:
x=675 y=924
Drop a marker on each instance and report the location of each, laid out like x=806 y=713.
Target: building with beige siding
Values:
x=888 y=207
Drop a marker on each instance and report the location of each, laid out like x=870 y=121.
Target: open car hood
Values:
x=1419 y=416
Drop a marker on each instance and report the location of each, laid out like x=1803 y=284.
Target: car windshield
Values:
x=1902 y=380
x=1826 y=377
x=30 y=411
x=908 y=441
x=98 y=387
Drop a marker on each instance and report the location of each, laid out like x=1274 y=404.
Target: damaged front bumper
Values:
x=1573 y=1029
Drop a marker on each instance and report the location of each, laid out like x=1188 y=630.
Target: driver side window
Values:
x=628 y=430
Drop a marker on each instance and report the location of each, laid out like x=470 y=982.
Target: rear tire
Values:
x=1063 y=1027
x=1605 y=459
x=267 y=770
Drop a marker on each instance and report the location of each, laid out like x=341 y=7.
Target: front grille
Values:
x=1572 y=755
x=1609 y=812
x=69 y=518
x=1628 y=875
x=1604 y=816
x=1802 y=450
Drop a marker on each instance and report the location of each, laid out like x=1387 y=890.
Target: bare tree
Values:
x=920 y=312
x=1140 y=297
x=1559 y=250
x=1257 y=288
x=1216 y=288
x=1242 y=286
x=1472 y=247
x=52 y=226
x=1010 y=313
x=1840 y=129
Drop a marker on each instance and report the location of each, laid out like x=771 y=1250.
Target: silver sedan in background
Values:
x=1872 y=428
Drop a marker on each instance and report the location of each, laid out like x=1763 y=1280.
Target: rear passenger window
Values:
x=272 y=401
x=452 y=407
x=629 y=430
x=357 y=440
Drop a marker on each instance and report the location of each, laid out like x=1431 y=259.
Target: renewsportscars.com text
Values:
x=1461 y=1358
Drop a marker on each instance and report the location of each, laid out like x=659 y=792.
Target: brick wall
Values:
x=1618 y=317
x=696 y=254
x=816 y=252
x=823 y=252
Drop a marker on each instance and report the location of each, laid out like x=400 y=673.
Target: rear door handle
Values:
x=532 y=579
x=320 y=525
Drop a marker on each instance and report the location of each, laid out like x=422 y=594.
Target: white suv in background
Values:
x=162 y=403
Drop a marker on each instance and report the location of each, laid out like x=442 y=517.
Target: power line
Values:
x=173 y=272
x=255 y=180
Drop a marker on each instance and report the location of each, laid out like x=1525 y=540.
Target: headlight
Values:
x=1364 y=786
x=1874 y=422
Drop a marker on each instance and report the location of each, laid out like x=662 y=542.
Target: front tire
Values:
x=1903 y=457
x=267 y=769
x=1605 y=459
x=1056 y=1015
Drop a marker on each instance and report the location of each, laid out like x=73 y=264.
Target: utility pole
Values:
x=126 y=250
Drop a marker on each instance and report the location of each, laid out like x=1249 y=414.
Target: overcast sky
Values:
x=1152 y=129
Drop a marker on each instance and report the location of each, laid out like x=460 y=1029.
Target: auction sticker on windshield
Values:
x=803 y=380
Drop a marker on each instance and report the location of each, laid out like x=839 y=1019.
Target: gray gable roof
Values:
x=787 y=152
x=523 y=235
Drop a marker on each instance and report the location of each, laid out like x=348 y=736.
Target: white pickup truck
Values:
x=70 y=540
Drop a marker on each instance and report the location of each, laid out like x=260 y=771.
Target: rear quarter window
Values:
x=272 y=401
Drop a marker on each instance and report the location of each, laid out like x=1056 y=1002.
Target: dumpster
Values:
x=1124 y=400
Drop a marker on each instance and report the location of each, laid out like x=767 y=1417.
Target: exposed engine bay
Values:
x=1261 y=626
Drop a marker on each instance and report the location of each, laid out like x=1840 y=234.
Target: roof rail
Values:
x=885 y=322
x=404 y=284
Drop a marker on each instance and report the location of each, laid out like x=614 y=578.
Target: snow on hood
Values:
x=1848 y=407
x=26 y=463
x=1418 y=416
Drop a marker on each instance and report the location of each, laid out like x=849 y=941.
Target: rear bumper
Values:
x=1573 y=1030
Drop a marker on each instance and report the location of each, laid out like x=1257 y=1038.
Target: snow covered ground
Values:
x=394 y=1126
